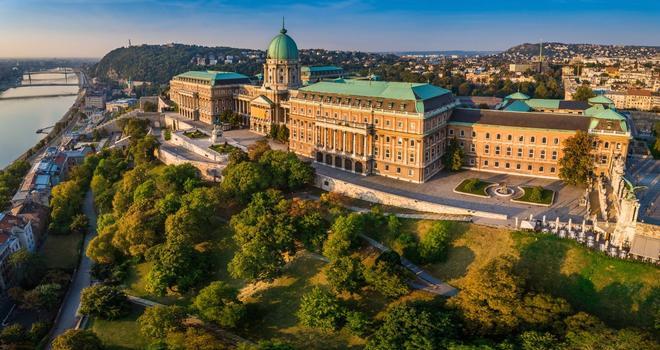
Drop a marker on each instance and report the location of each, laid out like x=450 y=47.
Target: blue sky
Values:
x=90 y=28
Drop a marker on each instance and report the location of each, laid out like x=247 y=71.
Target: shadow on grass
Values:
x=619 y=303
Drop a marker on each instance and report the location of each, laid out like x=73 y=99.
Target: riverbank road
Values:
x=68 y=315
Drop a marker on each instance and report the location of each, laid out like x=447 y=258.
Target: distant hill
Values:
x=461 y=53
x=560 y=51
x=158 y=63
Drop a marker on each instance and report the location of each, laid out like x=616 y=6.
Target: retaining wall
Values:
x=376 y=196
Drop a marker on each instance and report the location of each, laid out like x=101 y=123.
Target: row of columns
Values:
x=341 y=141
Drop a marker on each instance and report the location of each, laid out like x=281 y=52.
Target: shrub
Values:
x=536 y=194
x=358 y=323
x=433 y=245
x=219 y=303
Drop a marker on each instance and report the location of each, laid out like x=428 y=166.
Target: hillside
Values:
x=158 y=63
x=561 y=51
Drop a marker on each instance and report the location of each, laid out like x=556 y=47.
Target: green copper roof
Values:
x=601 y=99
x=518 y=106
x=609 y=114
x=282 y=47
x=377 y=89
x=622 y=124
x=314 y=69
x=212 y=76
x=543 y=103
x=517 y=96
x=593 y=110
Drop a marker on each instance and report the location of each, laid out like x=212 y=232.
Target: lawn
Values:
x=195 y=134
x=273 y=308
x=619 y=292
x=121 y=334
x=62 y=251
x=546 y=196
x=223 y=148
x=474 y=187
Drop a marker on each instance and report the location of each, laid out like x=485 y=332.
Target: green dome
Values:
x=282 y=47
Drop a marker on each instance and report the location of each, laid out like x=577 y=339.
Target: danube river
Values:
x=20 y=118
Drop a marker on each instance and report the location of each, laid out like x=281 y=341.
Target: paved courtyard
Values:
x=440 y=190
x=646 y=172
x=246 y=137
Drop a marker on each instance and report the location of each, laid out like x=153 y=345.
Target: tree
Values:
x=177 y=265
x=243 y=180
x=13 y=336
x=219 y=303
x=194 y=338
x=79 y=224
x=29 y=268
x=583 y=93
x=43 y=297
x=387 y=276
x=343 y=236
x=345 y=274
x=320 y=309
x=410 y=326
x=532 y=340
x=489 y=298
x=157 y=321
x=310 y=225
x=107 y=302
x=433 y=245
x=77 y=339
x=453 y=157
x=577 y=163
x=358 y=323
x=237 y=156
x=263 y=232
x=257 y=149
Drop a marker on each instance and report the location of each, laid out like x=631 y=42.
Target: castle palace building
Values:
x=395 y=129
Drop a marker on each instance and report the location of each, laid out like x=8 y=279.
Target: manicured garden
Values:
x=223 y=148
x=536 y=195
x=473 y=186
x=195 y=134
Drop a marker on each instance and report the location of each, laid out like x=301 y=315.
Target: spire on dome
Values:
x=283 y=31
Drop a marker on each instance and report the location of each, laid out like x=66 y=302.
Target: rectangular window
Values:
x=497 y=150
x=529 y=167
x=519 y=152
x=451 y=131
x=531 y=153
x=462 y=133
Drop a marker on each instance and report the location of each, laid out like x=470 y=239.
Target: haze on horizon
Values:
x=91 y=28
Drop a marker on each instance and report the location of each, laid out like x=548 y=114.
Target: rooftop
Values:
x=315 y=69
x=214 y=77
x=378 y=89
x=520 y=119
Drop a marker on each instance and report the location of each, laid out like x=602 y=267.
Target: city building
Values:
x=372 y=127
x=400 y=130
x=15 y=234
x=314 y=74
x=95 y=101
x=639 y=99
x=120 y=104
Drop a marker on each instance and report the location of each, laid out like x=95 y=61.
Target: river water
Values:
x=20 y=118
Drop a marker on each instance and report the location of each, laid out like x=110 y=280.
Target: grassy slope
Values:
x=619 y=292
x=122 y=333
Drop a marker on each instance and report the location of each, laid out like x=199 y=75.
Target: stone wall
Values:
x=209 y=171
x=375 y=196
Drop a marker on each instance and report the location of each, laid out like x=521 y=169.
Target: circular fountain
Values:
x=503 y=190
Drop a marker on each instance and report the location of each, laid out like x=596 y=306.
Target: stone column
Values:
x=353 y=148
x=343 y=141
